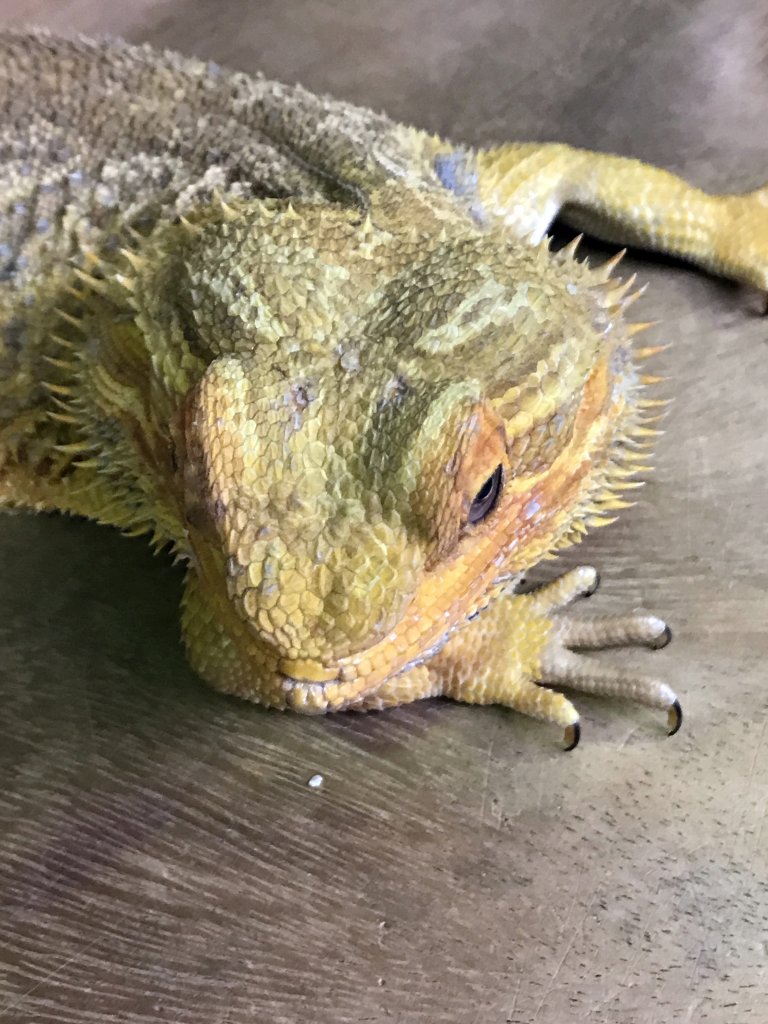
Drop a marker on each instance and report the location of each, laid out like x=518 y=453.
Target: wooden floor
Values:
x=162 y=857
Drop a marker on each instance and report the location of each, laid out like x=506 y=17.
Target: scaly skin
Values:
x=294 y=341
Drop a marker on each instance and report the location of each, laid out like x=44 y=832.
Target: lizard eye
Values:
x=486 y=497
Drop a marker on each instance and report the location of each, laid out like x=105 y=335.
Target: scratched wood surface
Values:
x=162 y=857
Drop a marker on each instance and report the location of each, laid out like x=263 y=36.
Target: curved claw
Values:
x=572 y=733
x=674 y=717
x=571 y=736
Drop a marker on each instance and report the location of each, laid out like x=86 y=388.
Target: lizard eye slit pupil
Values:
x=487 y=497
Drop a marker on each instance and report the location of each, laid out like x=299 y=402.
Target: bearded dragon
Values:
x=332 y=363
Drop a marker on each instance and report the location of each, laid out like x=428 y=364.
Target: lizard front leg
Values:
x=628 y=202
x=511 y=652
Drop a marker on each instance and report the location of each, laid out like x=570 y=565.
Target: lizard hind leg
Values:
x=621 y=200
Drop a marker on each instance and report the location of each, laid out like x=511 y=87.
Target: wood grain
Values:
x=162 y=857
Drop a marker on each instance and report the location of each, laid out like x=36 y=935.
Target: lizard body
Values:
x=331 y=361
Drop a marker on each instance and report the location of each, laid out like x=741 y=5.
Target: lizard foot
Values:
x=562 y=666
x=524 y=643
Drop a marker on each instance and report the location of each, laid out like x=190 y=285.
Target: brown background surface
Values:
x=161 y=855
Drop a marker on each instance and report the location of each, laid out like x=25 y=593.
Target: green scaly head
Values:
x=391 y=413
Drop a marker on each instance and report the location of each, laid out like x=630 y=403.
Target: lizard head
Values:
x=400 y=413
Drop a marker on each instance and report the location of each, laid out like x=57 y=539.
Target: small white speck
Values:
x=350 y=360
x=316 y=781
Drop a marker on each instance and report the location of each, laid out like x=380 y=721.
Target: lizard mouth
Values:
x=304 y=670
